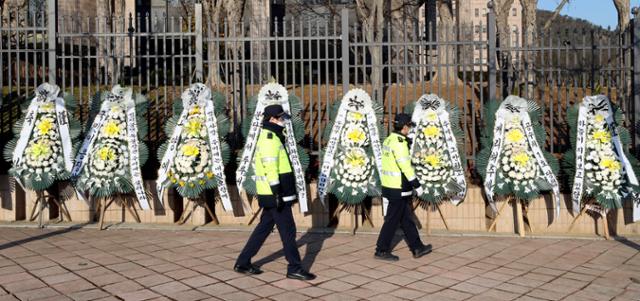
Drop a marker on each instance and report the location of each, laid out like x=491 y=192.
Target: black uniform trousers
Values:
x=398 y=215
x=283 y=219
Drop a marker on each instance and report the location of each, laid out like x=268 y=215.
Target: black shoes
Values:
x=247 y=269
x=301 y=275
x=386 y=256
x=421 y=251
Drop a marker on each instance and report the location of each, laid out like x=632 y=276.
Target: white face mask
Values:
x=279 y=122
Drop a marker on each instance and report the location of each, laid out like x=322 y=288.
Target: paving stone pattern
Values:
x=86 y=264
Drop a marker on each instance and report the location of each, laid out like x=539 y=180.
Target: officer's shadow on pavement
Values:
x=313 y=240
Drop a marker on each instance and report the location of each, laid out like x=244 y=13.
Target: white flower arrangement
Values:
x=193 y=158
x=193 y=162
x=518 y=164
x=435 y=152
x=351 y=155
x=43 y=150
x=602 y=167
x=110 y=159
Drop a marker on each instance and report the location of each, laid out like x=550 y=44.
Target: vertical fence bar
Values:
x=51 y=38
x=344 y=35
x=491 y=50
x=199 y=46
x=636 y=78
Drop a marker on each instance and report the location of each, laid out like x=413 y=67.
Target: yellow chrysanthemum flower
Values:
x=432 y=116
x=356 y=135
x=111 y=129
x=209 y=174
x=521 y=158
x=193 y=127
x=432 y=159
x=514 y=136
x=106 y=154
x=181 y=183
x=47 y=106
x=610 y=163
x=190 y=150
x=174 y=180
x=201 y=182
x=431 y=131
x=355 y=160
x=39 y=150
x=356 y=115
x=599 y=118
x=45 y=126
x=195 y=110
x=602 y=136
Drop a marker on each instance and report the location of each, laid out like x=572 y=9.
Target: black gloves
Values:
x=275 y=190
x=415 y=183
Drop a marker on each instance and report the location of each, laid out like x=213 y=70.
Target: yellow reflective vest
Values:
x=396 y=162
x=270 y=161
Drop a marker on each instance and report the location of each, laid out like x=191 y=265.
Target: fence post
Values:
x=51 y=39
x=344 y=36
x=491 y=50
x=635 y=60
x=199 y=46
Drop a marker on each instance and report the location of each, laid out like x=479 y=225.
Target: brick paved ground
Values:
x=163 y=265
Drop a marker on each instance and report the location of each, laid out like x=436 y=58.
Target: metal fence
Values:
x=317 y=60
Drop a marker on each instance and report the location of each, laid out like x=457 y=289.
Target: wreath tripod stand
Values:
x=429 y=207
x=123 y=201
x=358 y=209
x=519 y=205
x=599 y=211
x=43 y=198
x=190 y=208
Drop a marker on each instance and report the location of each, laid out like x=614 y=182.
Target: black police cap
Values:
x=403 y=119
x=276 y=111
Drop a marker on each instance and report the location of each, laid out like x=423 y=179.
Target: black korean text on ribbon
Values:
x=355 y=103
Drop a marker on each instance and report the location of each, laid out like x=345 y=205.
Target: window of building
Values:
x=477 y=28
x=477 y=12
x=514 y=12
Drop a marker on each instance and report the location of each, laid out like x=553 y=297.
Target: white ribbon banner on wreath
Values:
x=330 y=150
x=511 y=106
x=270 y=94
x=198 y=94
x=45 y=93
x=172 y=146
x=436 y=104
x=134 y=159
x=588 y=109
x=83 y=154
x=217 y=164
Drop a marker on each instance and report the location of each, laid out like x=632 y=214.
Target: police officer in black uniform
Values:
x=276 y=190
x=398 y=182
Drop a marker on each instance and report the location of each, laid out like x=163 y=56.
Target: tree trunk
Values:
x=212 y=10
x=502 y=9
x=260 y=27
x=105 y=25
x=404 y=28
x=448 y=70
x=234 y=12
x=530 y=32
x=624 y=10
x=371 y=13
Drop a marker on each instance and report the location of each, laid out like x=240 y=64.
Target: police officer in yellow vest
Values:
x=276 y=189
x=398 y=182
